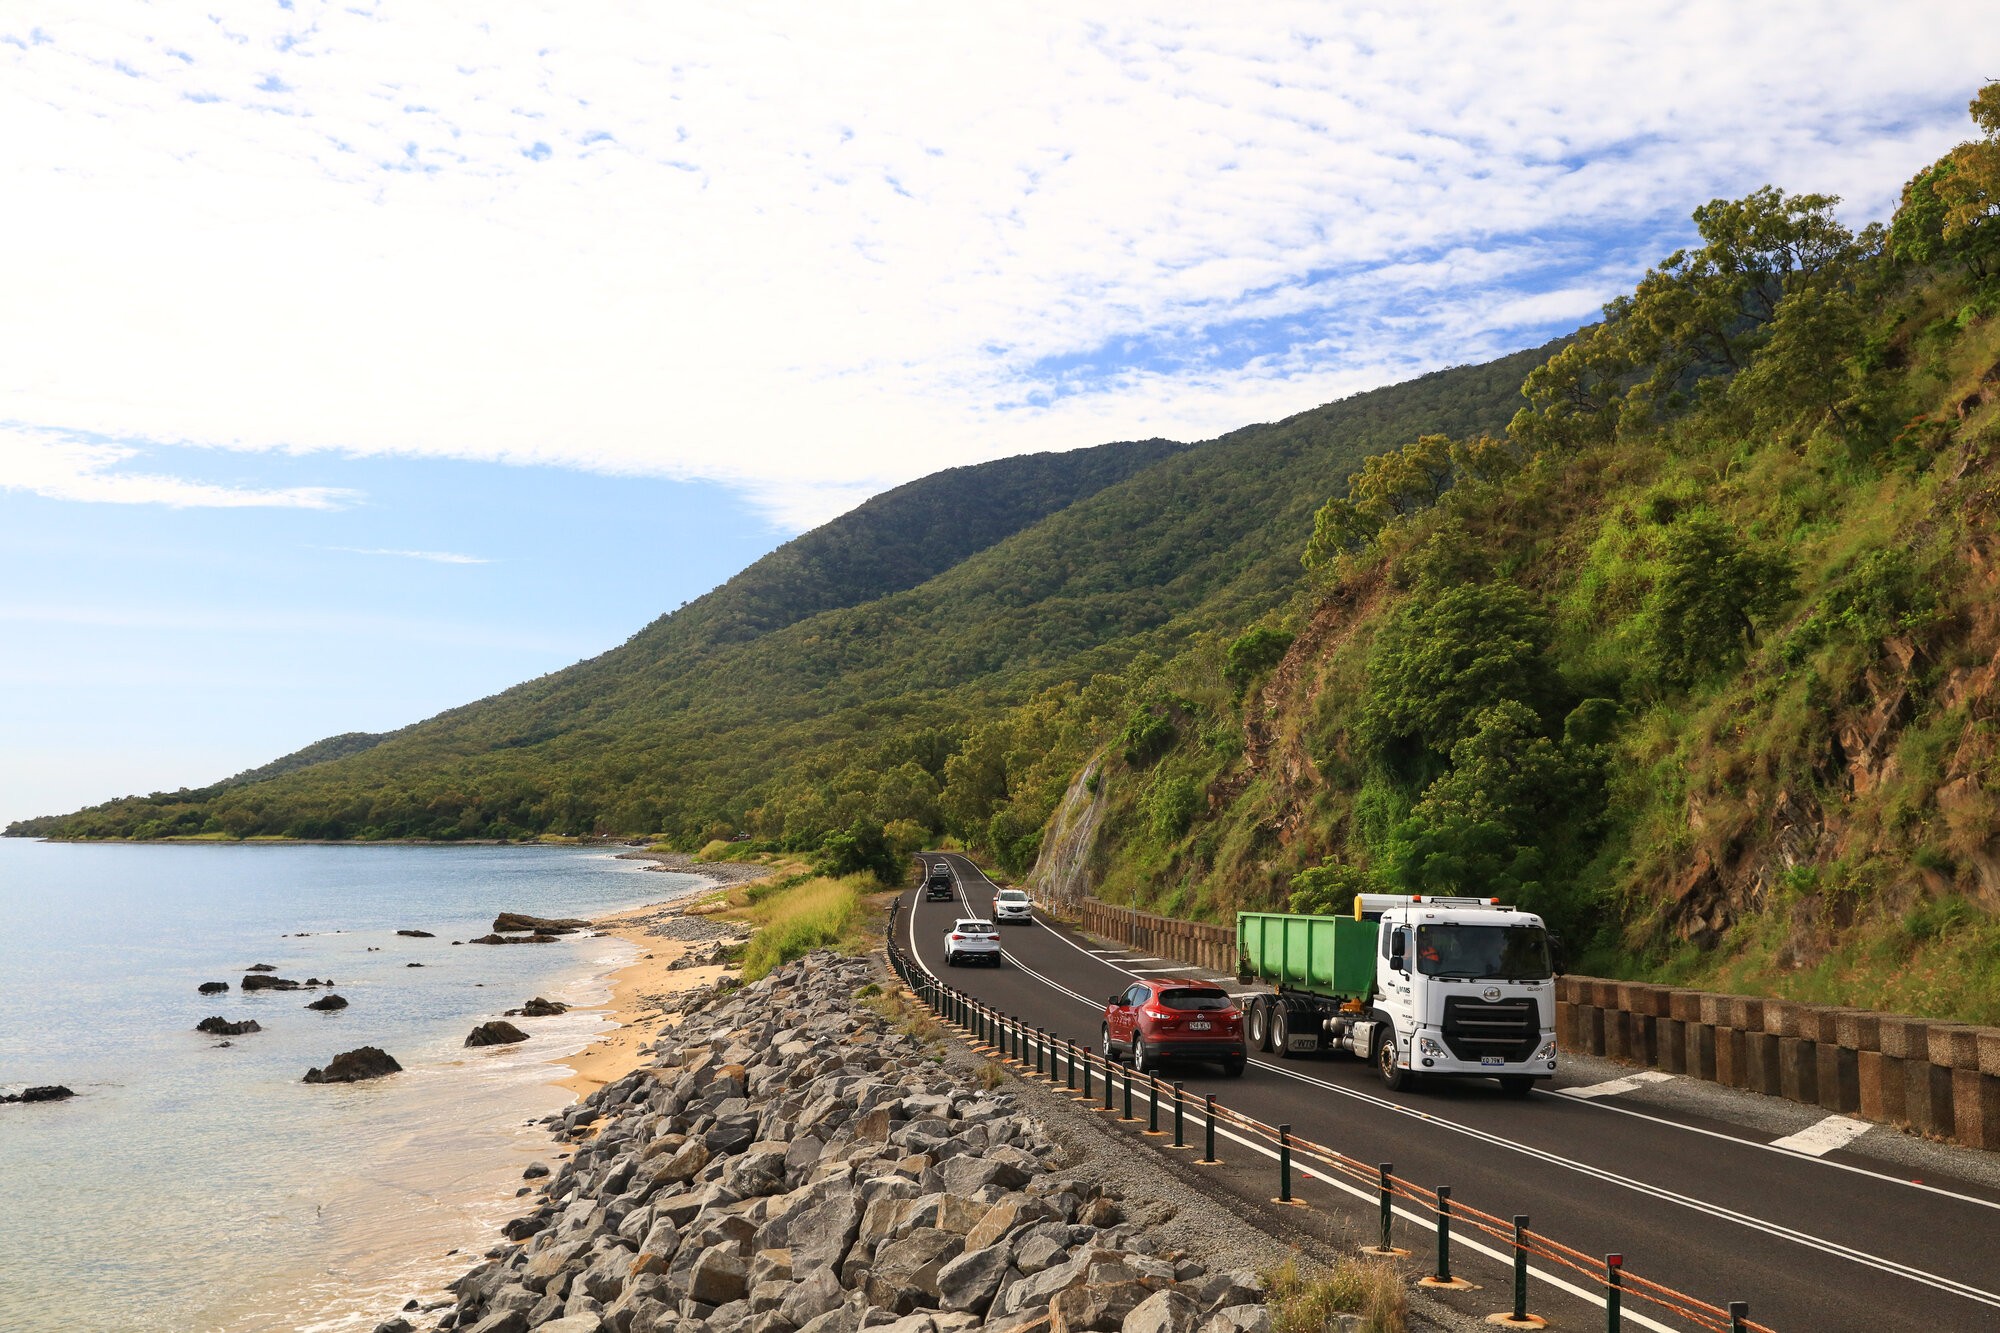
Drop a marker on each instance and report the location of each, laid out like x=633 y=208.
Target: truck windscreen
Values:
x=1484 y=953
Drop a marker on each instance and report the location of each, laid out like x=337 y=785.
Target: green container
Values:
x=1332 y=956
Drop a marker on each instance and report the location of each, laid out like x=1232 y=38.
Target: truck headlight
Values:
x=1429 y=1047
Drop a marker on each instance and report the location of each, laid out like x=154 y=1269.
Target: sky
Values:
x=360 y=360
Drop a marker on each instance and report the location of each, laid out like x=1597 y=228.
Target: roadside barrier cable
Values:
x=1691 y=1308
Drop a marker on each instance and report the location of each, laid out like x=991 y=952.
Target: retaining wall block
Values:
x=1565 y=1024
x=1858 y=1029
x=1684 y=1005
x=1927 y=1098
x=1642 y=1038
x=1670 y=1045
x=1729 y=1058
x=1838 y=1078
x=1881 y=1080
x=1955 y=1046
x=1590 y=1028
x=1989 y=1051
x=1975 y=1100
x=1701 y=1048
x=1714 y=1009
x=1904 y=1037
x=1781 y=1017
x=1760 y=1064
x=1798 y=1069
x=1604 y=994
x=1617 y=1030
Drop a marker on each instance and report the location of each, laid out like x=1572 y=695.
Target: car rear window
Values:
x=975 y=925
x=1187 y=997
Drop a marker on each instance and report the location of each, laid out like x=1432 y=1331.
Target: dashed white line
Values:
x=1817 y=1140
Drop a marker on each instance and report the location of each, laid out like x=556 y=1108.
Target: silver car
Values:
x=1013 y=905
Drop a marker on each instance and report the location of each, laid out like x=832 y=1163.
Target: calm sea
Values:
x=191 y=1186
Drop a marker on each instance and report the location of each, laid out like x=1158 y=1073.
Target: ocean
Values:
x=195 y=1186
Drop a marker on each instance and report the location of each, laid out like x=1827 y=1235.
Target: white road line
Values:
x=1612 y=1087
x=1836 y=1131
x=1718 y=1211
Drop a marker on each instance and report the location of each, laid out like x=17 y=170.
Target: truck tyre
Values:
x=1259 y=1023
x=1394 y=1077
x=1281 y=1032
x=1516 y=1085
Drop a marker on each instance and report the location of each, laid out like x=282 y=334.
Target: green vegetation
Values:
x=796 y=915
x=1307 y=1304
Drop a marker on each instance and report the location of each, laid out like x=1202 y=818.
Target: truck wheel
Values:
x=1516 y=1085
x=1394 y=1077
x=1260 y=1025
x=1281 y=1032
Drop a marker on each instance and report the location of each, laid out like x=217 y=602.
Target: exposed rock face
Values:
x=539 y=925
x=364 y=1062
x=54 y=1092
x=222 y=1027
x=496 y=1033
x=327 y=1003
x=792 y=1164
x=417 y=934
x=212 y=987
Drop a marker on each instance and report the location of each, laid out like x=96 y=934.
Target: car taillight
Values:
x=956 y=936
x=1160 y=1015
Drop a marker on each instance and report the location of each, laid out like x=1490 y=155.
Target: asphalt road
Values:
x=1832 y=1242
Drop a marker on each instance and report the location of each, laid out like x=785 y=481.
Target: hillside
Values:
x=839 y=678
x=1701 y=659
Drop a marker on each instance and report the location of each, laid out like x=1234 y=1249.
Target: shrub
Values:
x=1171 y=806
x=1256 y=652
x=1301 y=1304
x=1148 y=735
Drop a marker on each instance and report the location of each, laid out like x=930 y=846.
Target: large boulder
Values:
x=720 y=1275
x=53 y=1092
x=1097 y=1308
x=540 y=938
x=264 y=981
x=218 y=1026
x=327 y=1003
x=363 y=1062
x=540 y=1008
x=1238 y=1319
x=904 y=1274
x=970 y=1281
x=499 y=1032
x=1163 y=1312
x=212 y=987
x=539 y=925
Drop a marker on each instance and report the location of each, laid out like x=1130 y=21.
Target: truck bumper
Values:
x=1429 y=1055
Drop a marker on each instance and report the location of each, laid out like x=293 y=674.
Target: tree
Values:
x=1255 y=652
x=1329 y=890
x=863 y=847
x=1711 y=591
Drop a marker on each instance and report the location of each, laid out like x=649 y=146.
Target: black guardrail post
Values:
x=1520 y=1269
x=1284 y=1163
x=1739 y=1316
x=1110 y=1077
x=1613 y=1266
x=1087 y=1067
x=1152 y=1103
x=1069 y=1066
x=1041 y=1049
x=1208 y=1130
x=1128 y=1116
x=1383 y=1171
x=1443 y=1274
x=1180 y=1108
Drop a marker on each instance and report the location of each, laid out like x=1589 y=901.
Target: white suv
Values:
x=971 y=940
x=1013 y=905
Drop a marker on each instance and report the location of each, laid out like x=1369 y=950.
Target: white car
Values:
x=972 y=940
x=1013 y=905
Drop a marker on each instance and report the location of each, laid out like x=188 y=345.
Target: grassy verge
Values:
x=1307 y=1304
x=797 y=912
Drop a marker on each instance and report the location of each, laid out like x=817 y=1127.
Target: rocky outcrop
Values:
x=510 y=939
x=328 y=1003
x=417 y=934
x=219 y=1026
x=212 y=987
x=539 y=1008
x=539 y=925
x=363 y=1062
x=794 y=1164
x=53 y=1092
x=496 y=1033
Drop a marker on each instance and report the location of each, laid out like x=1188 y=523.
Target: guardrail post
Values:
x=1388 y=1211
x=1443 y=1275
x=1520 y=1269
x=1180 y=1107
x=1284 y=1163
x=1087 y=1067
x=1069 y=1066
x=1152 y=1103
x=1128 y=1116
x=1613 y=1263
x=1041 y=1051
x=1208 y=1130
x=1739 y=1316
x=1110 y=1077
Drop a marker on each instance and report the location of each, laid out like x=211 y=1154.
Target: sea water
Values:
x=191 y=1185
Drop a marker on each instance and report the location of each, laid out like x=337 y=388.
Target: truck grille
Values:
x=1506 y=1028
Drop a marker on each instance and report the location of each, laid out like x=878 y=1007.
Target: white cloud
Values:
x=811 y=255
x=60 y=467
x=435 y=557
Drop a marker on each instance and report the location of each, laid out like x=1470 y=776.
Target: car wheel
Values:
x=1394 y=1077
x=1109 y=1047
x=1258 y=1025
x=1516 y=1085
x=1234 y=1068
x=1143 y=1058
x=950 y=958
x=996 y=960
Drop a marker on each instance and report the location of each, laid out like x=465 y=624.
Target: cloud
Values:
x=772 y=246
x=436 y=557
x=59 y=466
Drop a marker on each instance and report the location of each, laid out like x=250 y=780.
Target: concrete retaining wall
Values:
x=1938 y=1079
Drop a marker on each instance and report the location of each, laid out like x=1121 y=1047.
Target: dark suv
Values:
x=938 y=883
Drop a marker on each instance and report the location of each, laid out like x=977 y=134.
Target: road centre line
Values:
x=1718 y=1211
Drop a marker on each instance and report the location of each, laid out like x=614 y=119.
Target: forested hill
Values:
x=834 y=680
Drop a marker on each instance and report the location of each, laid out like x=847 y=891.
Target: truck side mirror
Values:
x=1398 y=961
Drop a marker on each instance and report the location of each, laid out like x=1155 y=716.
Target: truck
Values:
x=1419 y=985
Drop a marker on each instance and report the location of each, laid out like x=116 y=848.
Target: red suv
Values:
x=1161 y=1020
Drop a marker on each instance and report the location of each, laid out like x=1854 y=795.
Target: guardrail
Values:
x=1091 y=1078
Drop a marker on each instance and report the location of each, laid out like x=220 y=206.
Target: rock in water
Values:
x=516 y=939
x=221 y=1027
x=54 y=1092
x=540 y=925
x=260 y=967
x=212 y=987
x=353 y=1066
x=328 y=1002
x=258 y=981
x=417 y=934
x=496 y=1033
x=540 y=1008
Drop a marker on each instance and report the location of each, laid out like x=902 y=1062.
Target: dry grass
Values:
x=1302 y=1303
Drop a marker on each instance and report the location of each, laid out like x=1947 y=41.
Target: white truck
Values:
x=1418 y=985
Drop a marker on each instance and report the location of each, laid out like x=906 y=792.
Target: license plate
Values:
x=1197 y=1027
x=1302 y=1044
x=1492 y=1060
